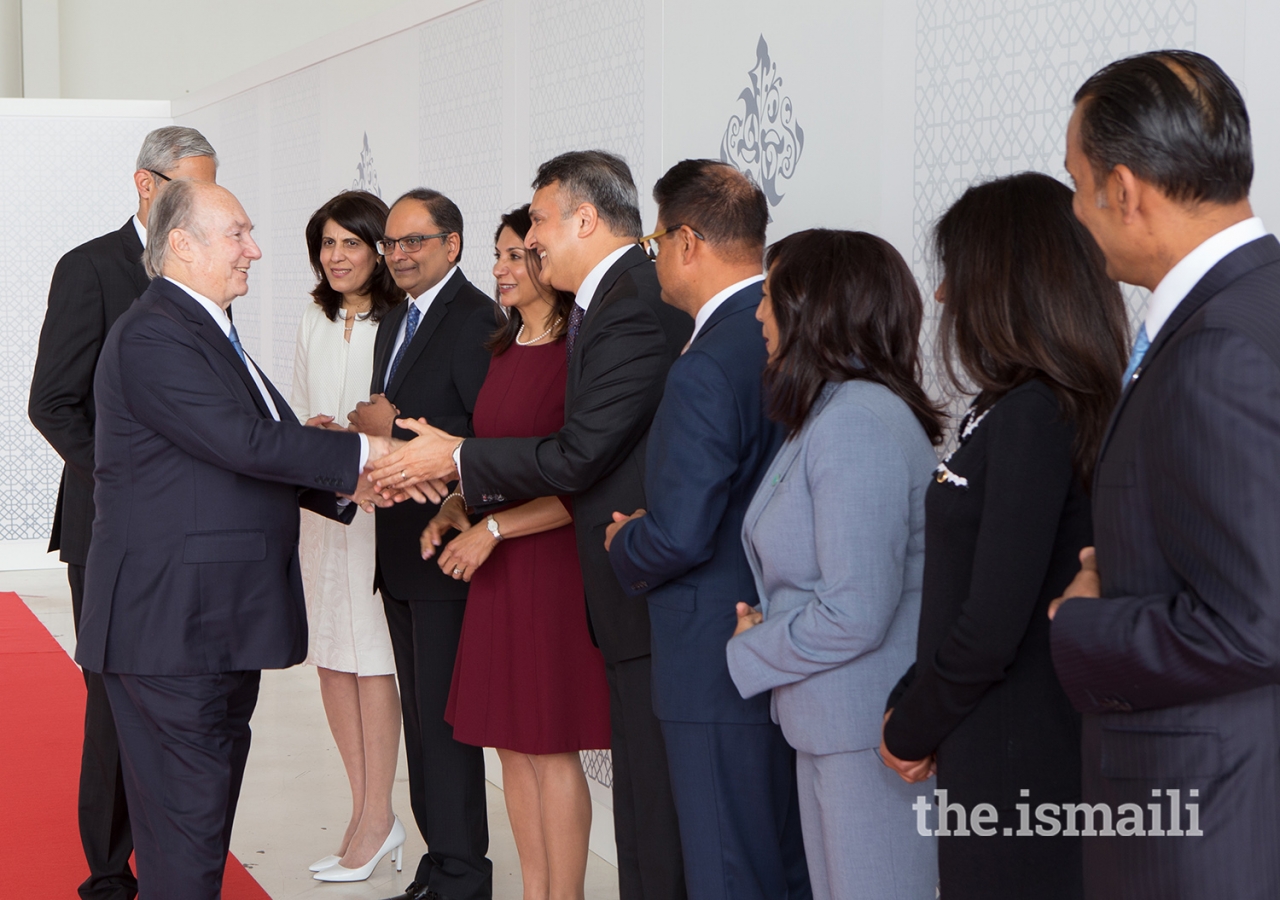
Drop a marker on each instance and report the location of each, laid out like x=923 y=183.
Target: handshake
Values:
x=398 y=470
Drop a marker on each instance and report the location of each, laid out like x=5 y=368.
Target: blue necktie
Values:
x=410 y=328
x=576 y=316
x=235 y=342
x=1140 y=348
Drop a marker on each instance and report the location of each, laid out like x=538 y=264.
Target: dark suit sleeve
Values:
x=1216 y=480
x=325 y=503
x=171 y=388
x=687 y=478
x=70 y=343
x=1028 y=478
x=620 y=387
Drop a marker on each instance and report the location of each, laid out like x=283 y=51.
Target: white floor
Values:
x=295 y=803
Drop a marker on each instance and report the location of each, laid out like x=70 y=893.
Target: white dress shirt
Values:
x=587 y=289
x=709 y=308
x=1179 y=280
x=142 y=233
x=219 y=316
x=423 y=303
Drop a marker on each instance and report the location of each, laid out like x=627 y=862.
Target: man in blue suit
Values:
x=732 y=773
x=192 y=583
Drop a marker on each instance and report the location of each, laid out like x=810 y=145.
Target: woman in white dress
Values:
x=349 y=643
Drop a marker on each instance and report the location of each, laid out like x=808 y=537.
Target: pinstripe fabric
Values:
x=1177 y=668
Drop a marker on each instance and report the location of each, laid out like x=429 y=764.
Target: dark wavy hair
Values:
x=847 y=307
x=365 y=216
x=1027 y=296
x=510 y=320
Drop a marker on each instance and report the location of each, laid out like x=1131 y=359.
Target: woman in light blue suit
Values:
x=835 y=538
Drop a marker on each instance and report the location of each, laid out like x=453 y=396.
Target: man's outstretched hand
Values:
x=425 y=463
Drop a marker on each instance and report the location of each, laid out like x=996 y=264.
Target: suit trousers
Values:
x=103 y=810
x=184 y=740
x=735 y=794
x=446 y=778
x=860 y=829
x=650 y=863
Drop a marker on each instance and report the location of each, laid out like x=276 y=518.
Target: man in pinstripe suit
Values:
x=1169 y=639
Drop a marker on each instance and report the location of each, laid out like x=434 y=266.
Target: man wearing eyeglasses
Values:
x=429 y=360
x=92 y=286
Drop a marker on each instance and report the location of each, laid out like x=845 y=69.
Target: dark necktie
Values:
x=235 y=342
x=575 y=323
x=410 y=327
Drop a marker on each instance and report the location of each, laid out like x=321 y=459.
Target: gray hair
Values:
x=162 y=148
x=601 y=179
x=175 y=208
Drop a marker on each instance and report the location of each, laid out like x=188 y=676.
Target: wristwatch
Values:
x=492 y=524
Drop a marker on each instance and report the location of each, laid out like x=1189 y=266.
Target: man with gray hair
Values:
x=621 y=341
x=192 y=584
x=92 y=285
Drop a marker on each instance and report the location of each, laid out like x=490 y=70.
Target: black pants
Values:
x=650 y=864
x=184 y=740
x=446 y=778
x=103 y=810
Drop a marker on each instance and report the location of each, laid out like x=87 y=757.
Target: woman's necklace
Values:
x=539 y=337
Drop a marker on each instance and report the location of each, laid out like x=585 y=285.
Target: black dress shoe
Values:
x=416 y=891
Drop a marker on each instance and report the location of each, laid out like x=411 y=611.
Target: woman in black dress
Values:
x=1032 y=324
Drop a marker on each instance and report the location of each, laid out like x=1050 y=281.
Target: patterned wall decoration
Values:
x=90 y=194
x=994 y=82
x=460 y=124
x=366 y=173
x=238 y=142
x=295 y=113
x=586 y=81
x=765 y=141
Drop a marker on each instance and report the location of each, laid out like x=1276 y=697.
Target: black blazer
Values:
x=1002 y=540
x=1177 y=667
x=627 y=341
x=193 y=568
x=438 y=378
x=92 y=286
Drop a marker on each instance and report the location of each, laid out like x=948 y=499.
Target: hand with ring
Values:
x=467 y=552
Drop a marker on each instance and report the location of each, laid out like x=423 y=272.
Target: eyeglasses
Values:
x=649 y=243
x=410 y=244
x=160 y=175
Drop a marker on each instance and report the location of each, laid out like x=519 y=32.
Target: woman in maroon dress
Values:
x=527 y=679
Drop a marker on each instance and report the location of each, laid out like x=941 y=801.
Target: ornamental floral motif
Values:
x=366 y=174
x=765 y=141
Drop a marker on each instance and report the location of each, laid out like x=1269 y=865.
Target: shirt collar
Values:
x=424 y=301
x=213 y=309
x=589 y=285
x=1184 y=276
x=709 y=308
x=142 y=232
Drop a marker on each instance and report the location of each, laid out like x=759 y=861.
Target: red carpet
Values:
x=42 y=708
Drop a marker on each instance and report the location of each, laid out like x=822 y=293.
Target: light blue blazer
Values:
x=835 y=540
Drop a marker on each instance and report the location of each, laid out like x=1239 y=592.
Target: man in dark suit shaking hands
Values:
x=91 y=287
x=622 y=339
x=1169 y=639
x=732 y=772
x=192 y=584
x=429 y=360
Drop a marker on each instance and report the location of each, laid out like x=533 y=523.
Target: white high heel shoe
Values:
x=394 y=844
x=324 y=862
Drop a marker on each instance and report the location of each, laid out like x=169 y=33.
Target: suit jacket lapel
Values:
x=1231 y=267
x=430 y=320
x=629 y=260
x=208 y=331
x=747 y=298
x=383 y=341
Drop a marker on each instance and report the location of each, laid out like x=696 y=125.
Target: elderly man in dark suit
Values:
x=429 y=360
x=92 y=286
x=622 y=339
x=732 y=772
x=192 y=583
x=1169 y=638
